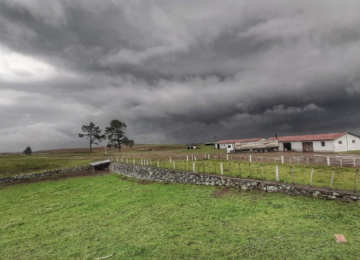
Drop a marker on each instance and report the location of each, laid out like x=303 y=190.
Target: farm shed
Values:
x=334 y=142
x=223 y=144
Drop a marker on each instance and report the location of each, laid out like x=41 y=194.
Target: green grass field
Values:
x=20 y=164
x=88 y=217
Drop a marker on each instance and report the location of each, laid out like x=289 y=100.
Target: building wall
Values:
x=353 y=146
x=296 y=146
x=222 y=146
x=329 y=146
x=347 y=143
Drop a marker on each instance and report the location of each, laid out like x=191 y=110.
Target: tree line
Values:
x=115 y=134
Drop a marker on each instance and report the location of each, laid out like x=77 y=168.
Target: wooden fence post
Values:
x=332 y=179
x=356 y=180
x=311 y=176
x=239 y=170
x=250 y=171
x=354 y=162
x=340 y=161
x=292 y=175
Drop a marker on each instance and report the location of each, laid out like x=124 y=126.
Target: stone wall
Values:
x=43 y=174
x=167 y=175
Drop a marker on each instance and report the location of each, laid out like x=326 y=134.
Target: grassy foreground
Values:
x=87 y=217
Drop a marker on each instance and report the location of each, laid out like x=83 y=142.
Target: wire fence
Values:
x=291 y=170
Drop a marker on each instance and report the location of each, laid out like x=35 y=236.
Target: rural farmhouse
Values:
x=334 y=142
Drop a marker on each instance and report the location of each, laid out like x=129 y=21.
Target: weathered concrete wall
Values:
x=43 y=174
x=167 y=175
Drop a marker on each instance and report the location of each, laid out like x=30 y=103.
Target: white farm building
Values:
x=334 y=142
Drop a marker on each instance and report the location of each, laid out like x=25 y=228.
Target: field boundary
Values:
x=43 y=174
x=168 y=175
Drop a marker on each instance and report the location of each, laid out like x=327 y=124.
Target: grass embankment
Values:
x=11 y=165
x=83 y=218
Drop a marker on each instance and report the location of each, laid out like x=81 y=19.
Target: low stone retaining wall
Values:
x=167 y=175
x=43 y=174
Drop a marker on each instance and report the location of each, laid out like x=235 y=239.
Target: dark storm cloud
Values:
x=176 y=71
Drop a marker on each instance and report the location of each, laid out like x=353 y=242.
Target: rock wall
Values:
x=43 y=174
x=167 y=175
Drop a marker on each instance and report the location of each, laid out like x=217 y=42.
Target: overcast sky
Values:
x=177 y=71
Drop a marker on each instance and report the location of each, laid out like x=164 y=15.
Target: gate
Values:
x=308 y=146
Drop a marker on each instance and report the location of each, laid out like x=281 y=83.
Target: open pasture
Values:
x=88 y=217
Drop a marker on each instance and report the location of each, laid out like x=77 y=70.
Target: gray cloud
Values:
x=176 y=71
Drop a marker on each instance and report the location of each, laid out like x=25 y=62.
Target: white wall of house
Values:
x=281 y=147
x=296 y=146
x=347 y=142
x=324 y=146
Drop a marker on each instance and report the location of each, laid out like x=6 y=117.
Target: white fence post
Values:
x=221 y=169
x=170 y=159
x=174 y=165
x=187 y=157
x=354 y=162
x=277 y=173
x=227 y=157
x=328 y=160
x=195 y=157
x=208 y=156
x=311 y=176
x=250 y=158
x=282 y=159
x=193 y=167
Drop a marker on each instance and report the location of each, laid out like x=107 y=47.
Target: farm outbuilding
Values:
x=334 y=142
x=223 y=144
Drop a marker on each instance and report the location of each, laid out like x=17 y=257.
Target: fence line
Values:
x=254 y=168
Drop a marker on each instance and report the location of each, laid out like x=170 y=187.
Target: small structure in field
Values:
x=192 y=147
x=100 y=165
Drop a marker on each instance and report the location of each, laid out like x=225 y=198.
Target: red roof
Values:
x=300 y=138
x=239 y=141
